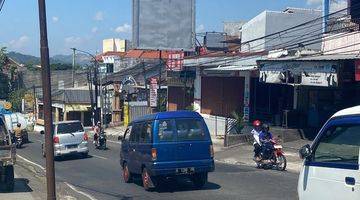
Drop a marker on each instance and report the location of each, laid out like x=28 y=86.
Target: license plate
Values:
x=72 y=146
x=189 y=170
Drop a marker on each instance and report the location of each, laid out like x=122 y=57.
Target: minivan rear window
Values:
x=69 y=128
x=189 y=130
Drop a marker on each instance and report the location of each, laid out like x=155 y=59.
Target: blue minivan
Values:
x=165 y=145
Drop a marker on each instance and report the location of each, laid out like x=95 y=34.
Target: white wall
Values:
x=269 y=22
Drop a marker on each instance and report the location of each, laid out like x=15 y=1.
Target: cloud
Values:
x=314 y=2
x=19 y=43
x=73 y=41
x=94 y=29
x=200 y=28
x=125 y=28
x=55 y=19
x=99 y=16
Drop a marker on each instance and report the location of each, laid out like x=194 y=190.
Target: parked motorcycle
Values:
x=101 y=141
x=272 y=156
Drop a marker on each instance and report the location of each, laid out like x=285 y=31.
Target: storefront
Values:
x=313 y=87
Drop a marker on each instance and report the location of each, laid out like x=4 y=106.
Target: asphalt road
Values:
x=100 y=176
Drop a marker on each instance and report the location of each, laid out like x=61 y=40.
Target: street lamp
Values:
x=95 y=111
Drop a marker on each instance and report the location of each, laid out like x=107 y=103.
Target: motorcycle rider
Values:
x=17 y=132
x=265 y=138
x=97 y=130
x=256 y=133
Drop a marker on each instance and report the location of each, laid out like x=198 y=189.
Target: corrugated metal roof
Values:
x=315 y=58
x=234 y=68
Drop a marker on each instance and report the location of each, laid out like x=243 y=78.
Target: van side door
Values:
x=332 y=172
x=125 y=145
x=133 y=145
x=145 y=143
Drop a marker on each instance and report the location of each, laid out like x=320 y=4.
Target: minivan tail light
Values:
x=86 y=137
x=211 y=151
x=56 y=140
x=153 y=154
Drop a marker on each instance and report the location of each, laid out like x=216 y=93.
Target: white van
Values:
x=331 y=164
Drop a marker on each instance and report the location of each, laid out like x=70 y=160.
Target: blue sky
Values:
x=84 y=23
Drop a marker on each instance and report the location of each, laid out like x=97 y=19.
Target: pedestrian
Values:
x=97 y=130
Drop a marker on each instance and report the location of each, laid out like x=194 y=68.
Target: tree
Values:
x=15 y=98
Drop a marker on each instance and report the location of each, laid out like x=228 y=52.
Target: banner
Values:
x=153 y=92
x=325 y=76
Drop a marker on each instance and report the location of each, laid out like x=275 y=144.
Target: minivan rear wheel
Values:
x=200 y=179
x=147 y=180
x=126 y=174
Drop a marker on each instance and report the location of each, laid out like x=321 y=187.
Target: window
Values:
x=146 y=132
x=135 y=132
x=339 y=144
x=189 y=129
x=69 y=128
x=127 y=133
x=166 y=133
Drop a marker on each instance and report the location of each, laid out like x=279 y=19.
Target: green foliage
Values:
x=191 y=107
x=15 y=99
x=3 y=57
x=4 y=86
x=239 y=124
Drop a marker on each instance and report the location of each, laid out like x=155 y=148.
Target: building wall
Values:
x=269 y=22
x=348 y=43
x=115 y=45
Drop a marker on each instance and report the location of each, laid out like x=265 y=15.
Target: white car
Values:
x=69 y=138
x=331 y=164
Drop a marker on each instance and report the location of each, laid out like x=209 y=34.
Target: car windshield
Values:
x=69 y=128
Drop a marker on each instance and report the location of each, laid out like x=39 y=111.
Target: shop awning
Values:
x=234 y=68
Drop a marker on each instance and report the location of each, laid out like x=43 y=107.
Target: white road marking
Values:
x=80 y=192
x=39 y=141
x=99 y=157
x=28 y=161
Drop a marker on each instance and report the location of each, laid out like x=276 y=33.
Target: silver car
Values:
x=69 y=138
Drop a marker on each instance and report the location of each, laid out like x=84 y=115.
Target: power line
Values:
x=1 y=4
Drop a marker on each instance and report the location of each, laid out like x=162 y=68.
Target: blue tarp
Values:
x=3 y=111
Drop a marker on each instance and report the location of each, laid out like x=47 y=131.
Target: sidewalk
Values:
x=243 y=154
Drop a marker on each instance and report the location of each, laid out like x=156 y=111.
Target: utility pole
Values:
x=73 y=67
x=159 y=92
x=46 y=84
x=34 y=103
x=96 y=71
x=101 y=98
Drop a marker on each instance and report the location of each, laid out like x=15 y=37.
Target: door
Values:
x=145 y=144
x=193 y=142
x=133 y=160
x=332 y=172
x=165 y=140
x=125 y=145
x=70 y=134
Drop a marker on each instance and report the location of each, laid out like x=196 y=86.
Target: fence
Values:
x=133 y=110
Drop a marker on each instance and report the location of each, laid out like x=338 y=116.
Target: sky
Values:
x=83 y=24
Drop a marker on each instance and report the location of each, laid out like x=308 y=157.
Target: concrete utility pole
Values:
x=46 y=84
x=73 y=67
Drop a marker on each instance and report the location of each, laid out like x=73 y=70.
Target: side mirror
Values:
x=42 y=132
x=305 y=151
x=120 y=138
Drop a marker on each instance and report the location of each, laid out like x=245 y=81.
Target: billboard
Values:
x=164 y=24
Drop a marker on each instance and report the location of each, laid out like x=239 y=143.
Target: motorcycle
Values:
x=19 y=142
x=272 y=156
x=101 y=141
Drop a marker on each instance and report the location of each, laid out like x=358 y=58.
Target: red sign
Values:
x=357 y=70
x=175 y=61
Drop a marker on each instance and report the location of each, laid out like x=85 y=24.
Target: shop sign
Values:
x=357 y=70
x=312 y=73
x=325 y=76
x=153 y=92
x=175 y=61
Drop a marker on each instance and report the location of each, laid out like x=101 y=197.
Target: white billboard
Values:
x=164 y=24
